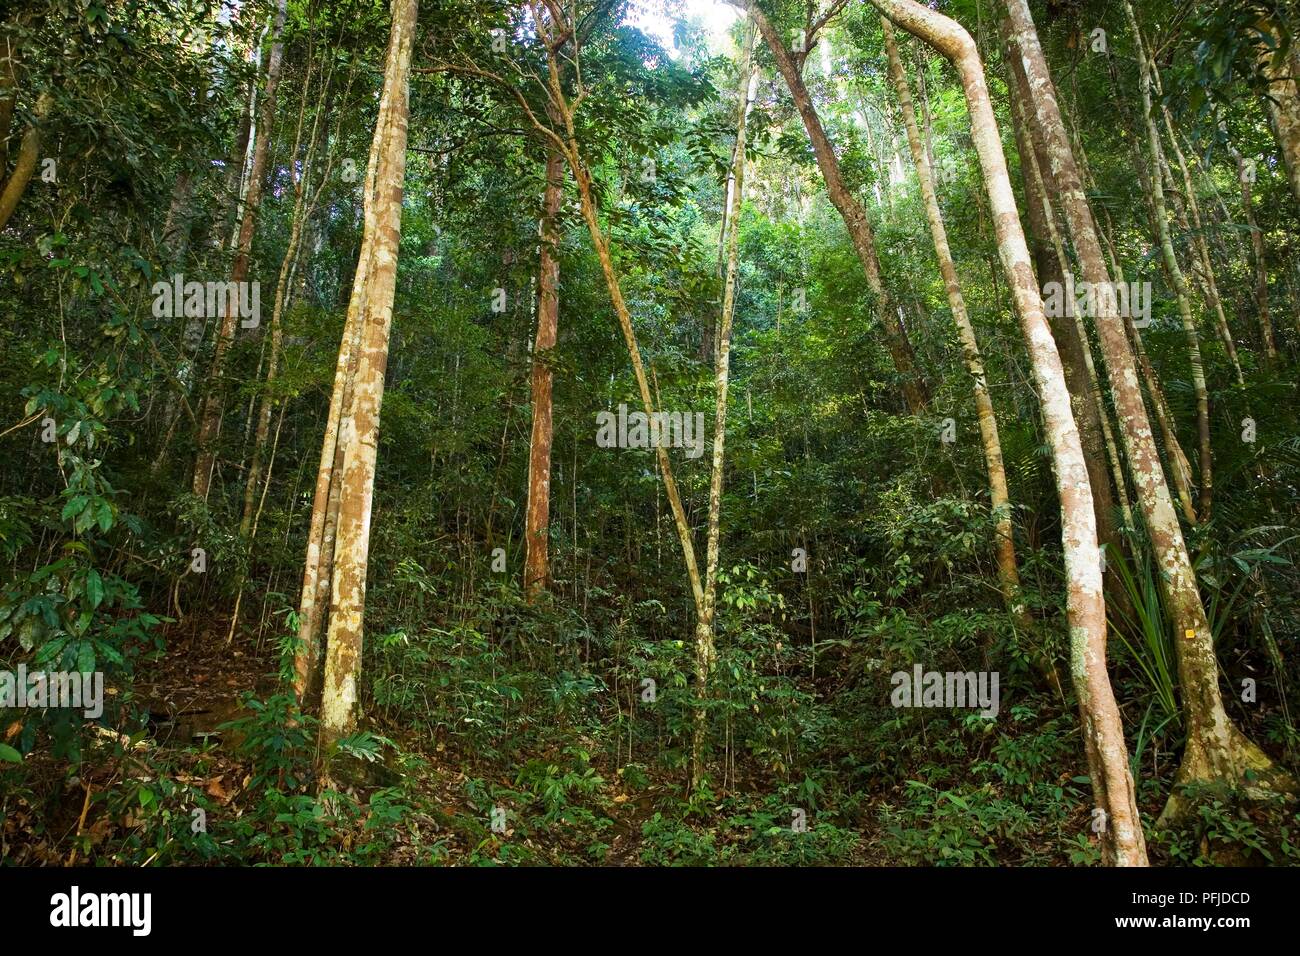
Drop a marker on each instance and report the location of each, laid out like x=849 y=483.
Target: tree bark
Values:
x=25 y=163
x=1215 y=748
x=999 y=499
x=537 y=568
x=1102 y=730
x=360 y=431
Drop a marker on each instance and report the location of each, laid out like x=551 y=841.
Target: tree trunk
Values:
x=1215 y=748
x=1155 y=158
x=25 y=164
x=1210 y=281
x=1283 y=104
x=303 y=204
x=214 y=401
x=1075 y=349
x=1256 y=250
x=360 y=431
x=1102 y=731
x=705 y=653
x=915 y=391
x=1008 y=572
x=537 y=532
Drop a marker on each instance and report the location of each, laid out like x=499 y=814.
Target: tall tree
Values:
x=1008 y=572
x=1100 y=717
x=213 y=406
x=1215 y=748
x=359 y=432
x=537 y=530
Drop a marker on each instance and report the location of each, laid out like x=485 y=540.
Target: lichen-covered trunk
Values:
x=915 y=390
x=537 y=568
x=1102 y=730
x=1210 y=734
x=213 y=404
x=1008 y=572
x=360 y=430
x=1075 y=350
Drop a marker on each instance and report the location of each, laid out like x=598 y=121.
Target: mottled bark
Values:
x=1008 y=572
x=1102 y=731
x=360 y=430
x=1071 y=338
x=537 y=531
x=915 y=391
x=1215 y=748
x=214 y=401
x=1283 y=104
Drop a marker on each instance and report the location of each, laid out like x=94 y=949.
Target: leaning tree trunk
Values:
x=1008 y=573
x=1102 y=730
x=214 y=401
x=915 y=391
x=1215 y=748
x=1071 y=337
x=360 y=430
x=1283 y=104
x=537 y=531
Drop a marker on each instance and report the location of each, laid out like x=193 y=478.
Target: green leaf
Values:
x=8 y=753
x=94 y=588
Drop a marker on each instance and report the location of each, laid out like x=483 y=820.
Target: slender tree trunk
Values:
x=537 y=532
x=360 y=437
x=1071 y=337
x=1201 y=246
x=705 y=653
x=915 y=391
x=1008 y=572
x=214 y=402
x=1258 y=258
x=303 y=204
x=1155 y=157
x=1103 y=733
x=1215 y=748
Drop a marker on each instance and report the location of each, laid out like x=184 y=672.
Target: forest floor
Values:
x=201 y=684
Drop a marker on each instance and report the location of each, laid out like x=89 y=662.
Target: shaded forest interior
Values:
x=649 y=432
